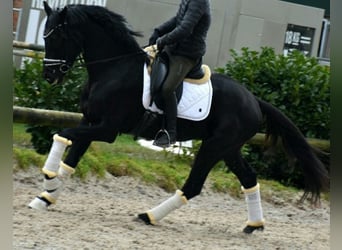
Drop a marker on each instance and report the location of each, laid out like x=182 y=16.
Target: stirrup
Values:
x=159 y=134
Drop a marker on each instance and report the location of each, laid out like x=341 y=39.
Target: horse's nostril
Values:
x=46 y=76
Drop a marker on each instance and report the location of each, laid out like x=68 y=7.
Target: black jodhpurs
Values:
x=179 y=67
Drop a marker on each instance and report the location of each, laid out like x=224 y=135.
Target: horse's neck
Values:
x=108 y=64
x=101 y=53
x=109 y=60
x=99 y=46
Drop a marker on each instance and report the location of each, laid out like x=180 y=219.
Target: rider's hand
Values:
x=160 y=44
x=153 y=38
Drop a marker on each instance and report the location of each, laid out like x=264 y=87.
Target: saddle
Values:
x=158 y=70
x=194 y=94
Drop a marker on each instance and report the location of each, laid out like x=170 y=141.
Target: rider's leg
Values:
x=170 y=110
x=179 y=67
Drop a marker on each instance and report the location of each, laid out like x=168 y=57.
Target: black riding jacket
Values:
x=185 y=34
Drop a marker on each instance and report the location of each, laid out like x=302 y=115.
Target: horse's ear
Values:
x=47 y=8
x=63 y=13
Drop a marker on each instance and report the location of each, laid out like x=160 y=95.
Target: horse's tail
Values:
x=315 y=174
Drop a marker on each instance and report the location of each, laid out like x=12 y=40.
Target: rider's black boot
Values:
x=170 y=110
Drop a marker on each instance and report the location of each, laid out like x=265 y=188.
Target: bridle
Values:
x=65 y=66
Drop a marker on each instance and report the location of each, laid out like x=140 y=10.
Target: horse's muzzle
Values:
x=52 y=75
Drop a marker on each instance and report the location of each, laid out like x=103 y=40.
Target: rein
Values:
x=116 y=58
x=65 y=66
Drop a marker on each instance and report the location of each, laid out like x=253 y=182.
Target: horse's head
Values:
x=60 y=50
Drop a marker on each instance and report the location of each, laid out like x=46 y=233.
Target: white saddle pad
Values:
x=195 y=102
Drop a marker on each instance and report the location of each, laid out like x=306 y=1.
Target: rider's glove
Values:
x=160 y=44
x=153 y=38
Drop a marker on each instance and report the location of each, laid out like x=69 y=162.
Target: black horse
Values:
x=111 y=104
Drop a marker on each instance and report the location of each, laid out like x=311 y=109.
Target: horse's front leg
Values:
x=209 y=154
x=55 y=170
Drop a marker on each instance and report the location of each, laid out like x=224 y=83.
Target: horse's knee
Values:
x=248 y=180
x=99 y=132
x=110 y=137
x=243 y=171
x=191 y=191
x=67 y=133
x=246 y=176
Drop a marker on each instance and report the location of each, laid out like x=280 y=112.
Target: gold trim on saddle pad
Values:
x=204 y=79
x=152 y=51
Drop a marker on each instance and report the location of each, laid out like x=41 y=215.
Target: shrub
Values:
x=298 y=86
x=31 y=90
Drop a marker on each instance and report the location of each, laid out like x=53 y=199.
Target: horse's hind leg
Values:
x=247 y=177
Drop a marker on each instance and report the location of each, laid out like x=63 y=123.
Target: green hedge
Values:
x=298 y=86
x=31 y=90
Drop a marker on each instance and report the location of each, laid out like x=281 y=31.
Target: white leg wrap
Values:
x=55 y=155
x=51 y=196
x=253 y=200
x=65 y=170
x=163 y=209
x=52 y=191
x=53 y=188
x=51 y=184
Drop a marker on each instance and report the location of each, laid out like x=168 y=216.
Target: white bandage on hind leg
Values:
x=253 y=200
x=163 y=209
x=55 y=155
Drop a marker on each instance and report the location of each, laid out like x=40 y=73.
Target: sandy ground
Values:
x=99 y=214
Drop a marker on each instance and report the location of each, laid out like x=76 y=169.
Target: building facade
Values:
x=235 y=24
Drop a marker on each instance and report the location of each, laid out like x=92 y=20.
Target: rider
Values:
x=183 y=38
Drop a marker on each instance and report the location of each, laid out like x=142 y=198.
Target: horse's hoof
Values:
x=251 y=229
x=144 y=217
x=38 y=204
